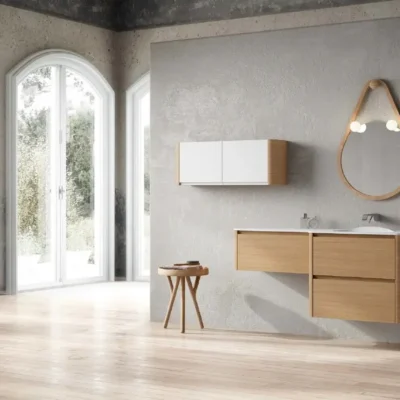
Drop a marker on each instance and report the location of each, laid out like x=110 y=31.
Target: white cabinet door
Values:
x=200 y=163
x=245 y=162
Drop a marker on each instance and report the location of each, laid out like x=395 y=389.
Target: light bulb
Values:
x=355 y=126
x=391 y=125
x=363 y=128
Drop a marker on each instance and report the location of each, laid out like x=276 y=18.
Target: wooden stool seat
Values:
x=183 y=272
x=183 y=275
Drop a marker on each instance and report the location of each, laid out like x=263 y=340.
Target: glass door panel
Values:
x=36 y=179
x=81 y=259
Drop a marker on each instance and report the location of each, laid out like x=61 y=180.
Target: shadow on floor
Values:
x=389 y=333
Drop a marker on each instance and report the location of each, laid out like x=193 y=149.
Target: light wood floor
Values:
x=94 y=342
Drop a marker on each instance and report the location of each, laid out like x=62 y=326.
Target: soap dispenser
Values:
x=304 y=221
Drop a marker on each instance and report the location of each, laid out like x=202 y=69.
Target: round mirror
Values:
x=370 y=161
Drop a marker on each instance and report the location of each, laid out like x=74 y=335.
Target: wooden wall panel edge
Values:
x=311 y=274
x=236 y=250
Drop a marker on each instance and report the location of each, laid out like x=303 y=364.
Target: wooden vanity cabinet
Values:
x=272 y=252
x=354 y=277
x=351 y=276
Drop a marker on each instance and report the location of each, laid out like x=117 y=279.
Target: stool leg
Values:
x=196 y=305
x=196 y=283
x=171 y=285
x=183 y=316
x=171 y=302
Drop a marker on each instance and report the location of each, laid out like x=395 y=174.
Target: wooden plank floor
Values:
x=94 y=342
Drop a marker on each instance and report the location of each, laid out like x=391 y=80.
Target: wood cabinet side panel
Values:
x=236 y=249
x=356 y=300
x=273 y=252
x=277 y=162
x=359 y=257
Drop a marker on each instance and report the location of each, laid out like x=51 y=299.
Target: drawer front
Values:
x=359 y=257
x=273 y=252
x=355 y=300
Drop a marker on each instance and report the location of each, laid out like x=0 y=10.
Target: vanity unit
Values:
x=352 y=275
x=237 y=162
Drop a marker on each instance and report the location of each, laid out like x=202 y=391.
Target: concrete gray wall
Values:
x=300 y=85
x=133 y=48
x=23 y=33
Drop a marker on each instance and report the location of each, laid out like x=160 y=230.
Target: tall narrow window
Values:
x=144 y=269
x=60 y=162
x=138 y=180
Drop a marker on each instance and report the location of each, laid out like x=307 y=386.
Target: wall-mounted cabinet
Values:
x=352 y=277
x=244 y=162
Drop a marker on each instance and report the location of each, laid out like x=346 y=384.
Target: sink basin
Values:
x=366 y=229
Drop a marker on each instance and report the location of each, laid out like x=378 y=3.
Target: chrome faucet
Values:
x=371 y=217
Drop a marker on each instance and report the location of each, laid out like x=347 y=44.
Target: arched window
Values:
x=138 y=180
x=60 y=173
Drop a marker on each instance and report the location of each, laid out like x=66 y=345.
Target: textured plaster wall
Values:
x=23 y=33
x=133 y=48
x=300 y=85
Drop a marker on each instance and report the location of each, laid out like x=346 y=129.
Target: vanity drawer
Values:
x=354 y=256
x=273 y=252
x=356 y=300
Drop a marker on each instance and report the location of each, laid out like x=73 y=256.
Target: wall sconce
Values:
x=355 y=126
x=392 y=125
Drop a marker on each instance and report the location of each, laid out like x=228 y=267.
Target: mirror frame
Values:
x=370 y=85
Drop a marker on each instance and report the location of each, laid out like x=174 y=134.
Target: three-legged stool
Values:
x=183 y=275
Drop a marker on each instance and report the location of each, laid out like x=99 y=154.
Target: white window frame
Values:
x=107 y=99
x=134 y=179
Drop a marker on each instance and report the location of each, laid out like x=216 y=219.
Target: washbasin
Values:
x=366 y=229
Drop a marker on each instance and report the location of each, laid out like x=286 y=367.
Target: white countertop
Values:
x=326 y=231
